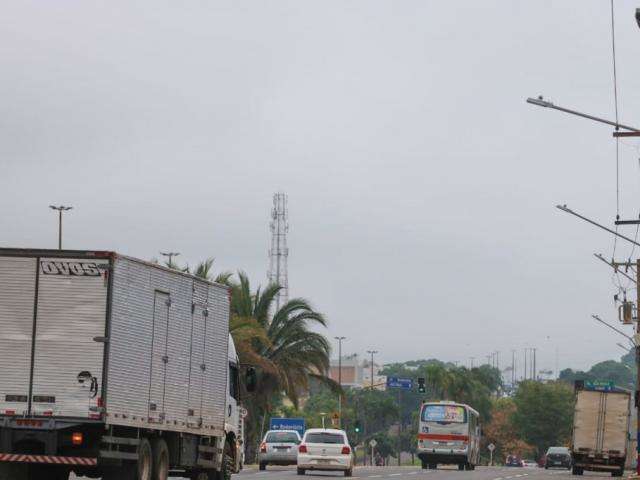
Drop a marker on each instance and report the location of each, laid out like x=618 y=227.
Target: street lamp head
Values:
x=60 y=208
x=638 y=16
x=540 y=101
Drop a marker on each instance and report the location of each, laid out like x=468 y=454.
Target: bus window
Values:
x=444 y=414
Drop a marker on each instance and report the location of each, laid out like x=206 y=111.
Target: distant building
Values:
x=357 y=373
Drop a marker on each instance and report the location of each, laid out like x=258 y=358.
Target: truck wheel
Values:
x=576 y=471
x=160 y=458
x=617 y=473
x=348 y=473
x=262 y=466
x=461 y=466
x=145 y=460
x=301 y=471
x=433 y=466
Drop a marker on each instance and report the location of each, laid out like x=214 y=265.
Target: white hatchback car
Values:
x=325 y=449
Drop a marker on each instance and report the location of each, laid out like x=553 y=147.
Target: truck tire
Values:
x=461 y=466
x=576 y=470
x=160 y=456
x=348 y=473
x=145 y=460
x=262 y=466
x=617 y=473
x=301 y=471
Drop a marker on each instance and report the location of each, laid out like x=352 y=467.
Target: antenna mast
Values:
x=279 y=252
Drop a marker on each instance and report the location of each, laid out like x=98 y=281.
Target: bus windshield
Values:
x=444 y=414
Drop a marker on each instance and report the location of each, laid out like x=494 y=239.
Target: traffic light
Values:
x=356 y=426
x=421 y=386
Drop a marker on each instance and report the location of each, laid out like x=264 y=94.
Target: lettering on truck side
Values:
x=78 y=269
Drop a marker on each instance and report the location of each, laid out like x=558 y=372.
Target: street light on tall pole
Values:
x=60 y=209
x=340 y=339
x=372 y=353
x=170 y=256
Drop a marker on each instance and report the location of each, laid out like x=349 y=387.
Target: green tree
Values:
x=544 y=413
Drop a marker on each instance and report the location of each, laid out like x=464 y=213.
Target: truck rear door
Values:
x=51 y=309
x=616 y=423
x=587 y=417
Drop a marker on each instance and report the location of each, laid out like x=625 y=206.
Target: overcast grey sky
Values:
x=421 y=185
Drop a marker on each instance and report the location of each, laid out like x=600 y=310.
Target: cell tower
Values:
x=279 y=251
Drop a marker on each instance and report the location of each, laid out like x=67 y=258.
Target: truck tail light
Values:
x=263 y=447
x=302 y=449
x=100 y=402
x=346 y=450
x=76 y=438
x=9 y=412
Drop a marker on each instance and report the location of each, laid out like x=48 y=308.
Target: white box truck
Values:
x=600 y=428
x=116 y=368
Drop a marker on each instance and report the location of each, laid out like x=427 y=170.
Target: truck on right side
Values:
x=600 y=437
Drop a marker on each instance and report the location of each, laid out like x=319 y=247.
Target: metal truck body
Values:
x=600 y=430
x=108 y=360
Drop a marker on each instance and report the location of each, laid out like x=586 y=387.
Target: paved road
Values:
x=415 y=473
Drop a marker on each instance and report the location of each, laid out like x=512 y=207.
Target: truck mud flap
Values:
x=49 y=459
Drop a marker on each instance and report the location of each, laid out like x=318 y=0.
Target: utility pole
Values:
x=60 y=209
x=170 y=256
x=513 y=368
x=524 y=371
x=340 y=339
x=372 y=353
x=637 y=395
x=535 y=372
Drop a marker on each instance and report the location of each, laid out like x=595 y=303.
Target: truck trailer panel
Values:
x=167 y=363
x=60 y=365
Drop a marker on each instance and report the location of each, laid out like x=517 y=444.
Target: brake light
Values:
x=346 y=450
x=302 y=449
x=100 y=402
x=9 y=412
x=263 y=447
x=76 y=438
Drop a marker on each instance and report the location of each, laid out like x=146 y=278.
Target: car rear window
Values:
x=557 y=450
x=281 y=437
x=325 y=438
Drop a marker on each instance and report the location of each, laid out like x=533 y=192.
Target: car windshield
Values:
x=281 y=437
x=335 y=438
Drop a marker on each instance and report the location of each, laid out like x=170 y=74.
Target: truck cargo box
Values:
x=103 y=337
x=600 y=429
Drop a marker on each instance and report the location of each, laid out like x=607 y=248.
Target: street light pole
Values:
x=372 y=353
x=637 y=348
x=170 y=255
x=340 y=339
x=60 y=209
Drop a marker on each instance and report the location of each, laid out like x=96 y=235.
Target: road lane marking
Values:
x=374 y=476
x=395 y=475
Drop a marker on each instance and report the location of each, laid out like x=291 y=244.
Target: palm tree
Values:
x=204 y=270
x=290 y=353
